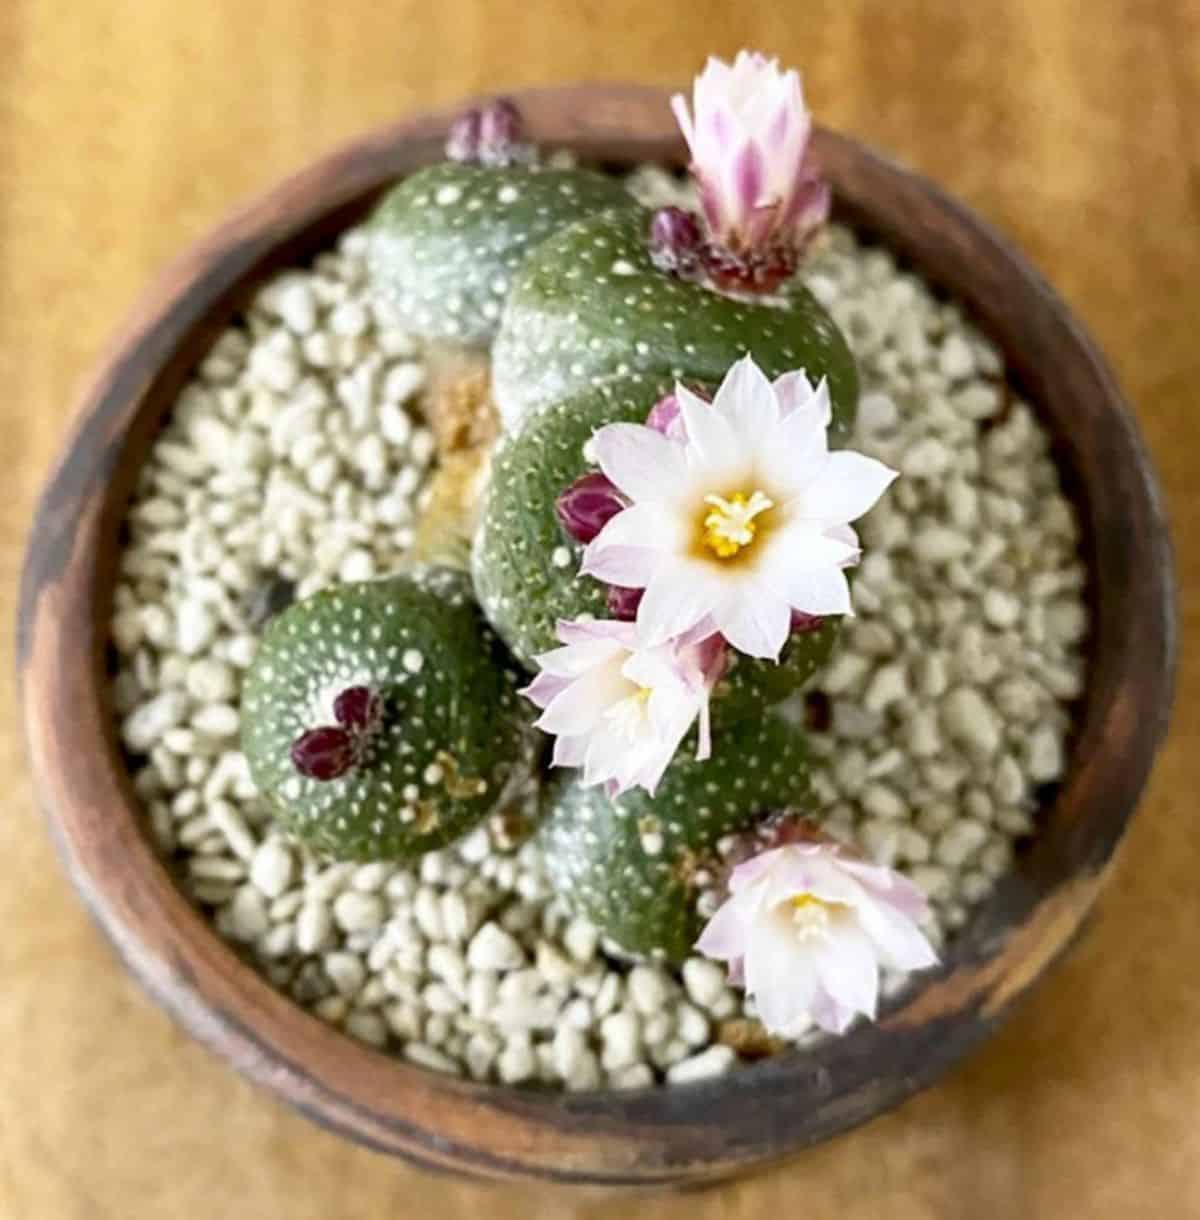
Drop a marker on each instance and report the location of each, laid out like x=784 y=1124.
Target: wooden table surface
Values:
x=128 y=127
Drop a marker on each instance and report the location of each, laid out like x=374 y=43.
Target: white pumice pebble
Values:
x=492 y=948
x=300 y=452
x=715 y=1061
x=272 y=868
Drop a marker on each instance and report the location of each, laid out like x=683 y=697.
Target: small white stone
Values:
x=346 y=972
x=349 y=319
x=705 y=981
x=516 y=1062
x=356 y=912
x=272 y=868
x=146 y=724
x=622 y=1040
x=492 y=948
x=217 y=720
x=648 y=989
x=959 y=842
x=248 y=912
x=430 y=1057
x=412 y=661
x=1044 y=755
x=581 y=939
x=888 y=686
x=956 y=358
x=314 y=925
x=971 y=720
x=210 y=680
x=195 y=627
x=1001 y=609
x=715 y=1061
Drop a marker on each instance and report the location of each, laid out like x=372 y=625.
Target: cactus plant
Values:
x=526 y=566
x=381 y=720
x=591 y=305
x=635 y=865
x=446 y=242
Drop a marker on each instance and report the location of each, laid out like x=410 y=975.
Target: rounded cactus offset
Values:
x=381 y=720
x=591 y=304
x=636 y=864
x=447 y=241
x=526 y=565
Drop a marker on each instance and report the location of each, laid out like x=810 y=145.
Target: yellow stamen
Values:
x=809 y=913
x=627 y=714
x=731 y=524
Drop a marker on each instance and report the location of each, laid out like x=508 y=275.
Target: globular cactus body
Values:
x=382 y=721
x=590 y=306
x=635 y=865
x=447 y=241
x=526 y=567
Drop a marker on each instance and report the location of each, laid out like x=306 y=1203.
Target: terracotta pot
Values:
x=682 y=1134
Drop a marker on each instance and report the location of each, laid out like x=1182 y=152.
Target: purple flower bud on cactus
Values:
x=323 y=754
x=675 y=241
x=500 y=124
x=357 y=709
x=803 y=623
x=749 y=134
x=587 y=506
x=623 y=603
x=462 y=141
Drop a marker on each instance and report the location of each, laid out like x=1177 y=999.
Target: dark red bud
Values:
x=462 y=141
x=756 y=272
x=587 y=506
x=803 y=623
x=623 y=603
x=356 y=708
x=323 y=754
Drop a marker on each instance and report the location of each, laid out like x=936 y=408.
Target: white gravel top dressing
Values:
x=296 y=455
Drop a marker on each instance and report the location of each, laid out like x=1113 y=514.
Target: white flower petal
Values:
x=848 y=485
x=847 y=968
x=758 y=624
x=628 y=567
x=747 y=400
x=678 y=596
x=641 y=462
x=580 y=706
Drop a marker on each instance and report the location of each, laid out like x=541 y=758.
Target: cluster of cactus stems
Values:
x=595 y=313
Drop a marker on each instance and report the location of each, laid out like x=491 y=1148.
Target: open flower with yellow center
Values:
x=739 y=520
x=618 y=710
x=806 y=929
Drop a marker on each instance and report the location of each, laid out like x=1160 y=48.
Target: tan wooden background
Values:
x=128 y=127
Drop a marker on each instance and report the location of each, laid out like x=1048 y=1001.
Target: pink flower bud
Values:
x=675 y=241
x=587 y=506
x=462 y=141
x=323 y=754
x=500 y=123
x=664 y=417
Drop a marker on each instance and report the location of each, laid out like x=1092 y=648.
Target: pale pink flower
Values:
x=806 y=929
x=618 y=710
x=742 y=521
x=748 y=132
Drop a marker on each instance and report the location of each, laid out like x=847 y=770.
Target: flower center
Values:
x=628 y=714
x=730 y=524
x=810 y=915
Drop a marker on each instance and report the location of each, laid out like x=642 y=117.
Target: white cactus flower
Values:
x=740 y=523
x=806 y=929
